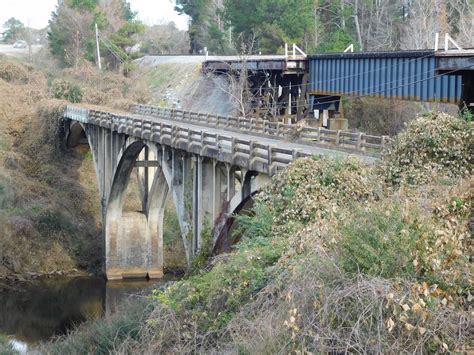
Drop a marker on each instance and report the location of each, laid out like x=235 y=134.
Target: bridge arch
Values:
x=134 y=239
x=76 y=135
x=251 y=182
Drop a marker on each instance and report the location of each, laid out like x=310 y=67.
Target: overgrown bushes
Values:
x=316 y=307
x=66 y=90
x=435 y=143
x=102 y=336
x=14 y=72
x=316 y=187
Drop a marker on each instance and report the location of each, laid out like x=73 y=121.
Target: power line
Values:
x=354 y=75
x=400 y=86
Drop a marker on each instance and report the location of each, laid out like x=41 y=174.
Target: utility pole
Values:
x=99 y=64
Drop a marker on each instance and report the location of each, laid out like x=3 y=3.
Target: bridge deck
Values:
x=305 y=148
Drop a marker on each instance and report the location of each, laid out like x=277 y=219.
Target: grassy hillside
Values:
x=49 y=204
x=335 y=257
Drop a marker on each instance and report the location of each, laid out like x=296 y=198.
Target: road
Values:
x=8 y=49
x=306 y=148
x=151 y=60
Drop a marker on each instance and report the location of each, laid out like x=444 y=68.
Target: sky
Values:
x=36 y=13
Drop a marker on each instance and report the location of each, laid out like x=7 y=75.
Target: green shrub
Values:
x=312 y=188
x=258 y=223
x=50 y=223
x=466 y=114
x=380 y=241
x=434 y=143
x=393 y=239
x=64 y=89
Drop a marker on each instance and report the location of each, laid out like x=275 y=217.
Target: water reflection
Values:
x=33 y=312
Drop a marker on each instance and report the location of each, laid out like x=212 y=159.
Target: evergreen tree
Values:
x=268 y=24
x=14 y=30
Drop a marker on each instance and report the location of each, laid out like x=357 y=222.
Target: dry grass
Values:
x=39 y=179
x=317 y=307
x=46 y=216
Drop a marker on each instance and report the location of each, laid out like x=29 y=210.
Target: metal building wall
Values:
x=409 y=75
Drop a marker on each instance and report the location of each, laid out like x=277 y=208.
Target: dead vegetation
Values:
x=49 y=221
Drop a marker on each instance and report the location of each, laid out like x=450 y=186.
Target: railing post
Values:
x=384 y=141
x=278 y=129
x=233 y=147
x=270 y=157
x=295 y=153
x=190 y=142
x=338 y=137
x=359 y=141
x=251 y=150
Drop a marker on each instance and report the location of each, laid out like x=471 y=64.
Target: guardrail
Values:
x=245 y=153
x=343 y=140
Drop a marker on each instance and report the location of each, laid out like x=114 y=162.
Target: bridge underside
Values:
x=204 y=190
x=276 y=85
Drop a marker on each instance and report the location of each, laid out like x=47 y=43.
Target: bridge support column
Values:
x=134 y=239
x=208 y=180
x=230 y=177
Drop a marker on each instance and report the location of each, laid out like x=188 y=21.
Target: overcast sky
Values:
x=36 y=13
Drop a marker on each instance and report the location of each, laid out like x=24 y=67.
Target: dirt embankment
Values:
x=49 y=205
x=181 y=85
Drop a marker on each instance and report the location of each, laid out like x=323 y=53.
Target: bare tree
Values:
x=461 y=15
x=375 y=23
x=165 y=39
x=425 y=18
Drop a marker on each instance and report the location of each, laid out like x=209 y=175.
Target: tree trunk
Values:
x=356 y=20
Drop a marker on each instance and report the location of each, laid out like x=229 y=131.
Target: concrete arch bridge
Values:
x=209 y=164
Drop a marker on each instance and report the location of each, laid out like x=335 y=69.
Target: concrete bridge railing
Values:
x=249 y=154
x=342 y=140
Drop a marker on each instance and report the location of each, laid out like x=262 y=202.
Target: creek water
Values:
x=32 y=312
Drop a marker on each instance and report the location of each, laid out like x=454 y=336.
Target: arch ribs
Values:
x=202 y=188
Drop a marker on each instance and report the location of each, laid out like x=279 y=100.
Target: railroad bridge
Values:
x=312 y=86
x=209 y=164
